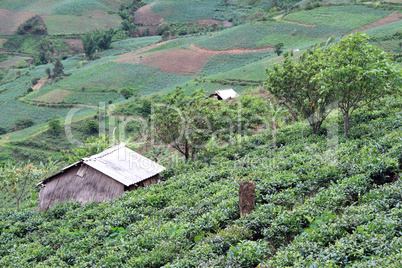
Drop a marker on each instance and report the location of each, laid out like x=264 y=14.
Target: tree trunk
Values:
x=345 y=124
x=246 y=197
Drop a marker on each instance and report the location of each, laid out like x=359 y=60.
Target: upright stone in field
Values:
x=246 y=197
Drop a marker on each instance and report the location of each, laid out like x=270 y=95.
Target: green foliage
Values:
x=358 y=74
x=17 y=180
x=35 y=80
x=127 y=92
x=24 y=122
x=93 y=145
x=21 y=64
x=55 y=126
x=278 y=48
x=295 y=88
x=92 y=126
x=96 y=41
x=34 y=26
x=58 y=69
x=310 y=210
x=181 y=28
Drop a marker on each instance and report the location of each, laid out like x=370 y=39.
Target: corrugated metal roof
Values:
x=121 y=164
x=227 y=93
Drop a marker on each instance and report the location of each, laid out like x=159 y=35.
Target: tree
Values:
x=127 y=92
x=186 y=123
x=358 y=74
x=58 y=68
x=93 y=145
x=90 y=45
x=3 y=130
x=17 y=180
x=97 y=40
x=92 y=126
x=54 y=126
x=48 y=72
x=293 y=85
x=278 y=48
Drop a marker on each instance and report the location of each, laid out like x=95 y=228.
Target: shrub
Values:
x=92 y=127
x=21 y=64
x=54 y=126
x=22 y=123
x=35 y=80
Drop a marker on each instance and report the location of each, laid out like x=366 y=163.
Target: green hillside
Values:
x=321 y=200
x=319 y=203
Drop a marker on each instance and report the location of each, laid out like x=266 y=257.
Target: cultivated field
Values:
x=75 y=24
x=11 y=19
x=62 y=7
x=348 y=17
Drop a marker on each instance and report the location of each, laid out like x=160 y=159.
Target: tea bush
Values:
x=318 y=203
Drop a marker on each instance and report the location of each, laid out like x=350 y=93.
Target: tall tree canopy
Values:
x=358 y=74
x=293 y=85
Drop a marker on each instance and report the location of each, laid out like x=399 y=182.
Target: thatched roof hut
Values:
x=224 y=94
x=100 y=177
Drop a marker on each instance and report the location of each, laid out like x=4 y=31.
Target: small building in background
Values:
x=99 y=178
x=224 y=94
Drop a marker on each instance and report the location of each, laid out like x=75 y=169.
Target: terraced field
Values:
x=347 y=17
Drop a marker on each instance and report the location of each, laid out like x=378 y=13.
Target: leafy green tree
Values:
x=358 y=74
x=186 y=123
x=127 y=92
x=48 y=72
x=278 y=48
x=92 y=126
x=90 y=45
x=294 y=85
x=17 y=180
x=55 y=126
x=92 y=145
x=3 y=130
x=58 y=69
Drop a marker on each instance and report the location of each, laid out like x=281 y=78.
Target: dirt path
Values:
x=39 y=84
x=393 y=17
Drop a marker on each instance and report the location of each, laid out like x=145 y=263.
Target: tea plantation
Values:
x=322 y=201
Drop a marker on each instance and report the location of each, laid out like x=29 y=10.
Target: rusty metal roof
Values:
x=121 y=164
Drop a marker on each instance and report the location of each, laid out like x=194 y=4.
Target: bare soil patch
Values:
x=393 y=17
x=227 y=24
x=208 y=22
x=11 y=19
x=39 y=84
x=181 y=61
x=75 y=44
x=146 y=17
